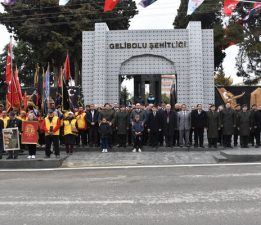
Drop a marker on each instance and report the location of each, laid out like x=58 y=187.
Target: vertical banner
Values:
x=30 y=132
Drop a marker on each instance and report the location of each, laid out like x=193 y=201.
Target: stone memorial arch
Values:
x=188 y=53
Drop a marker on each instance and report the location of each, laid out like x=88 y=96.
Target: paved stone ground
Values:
x=91 y=157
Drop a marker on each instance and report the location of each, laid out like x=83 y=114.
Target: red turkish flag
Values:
x=67 y=68
x=25 y=100
x=12 y=98
x=8 y=68
x=18 y=85
x=109 y=5
x=229 y=6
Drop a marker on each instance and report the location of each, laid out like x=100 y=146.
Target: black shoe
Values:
x=9 y=157
x=47 y=157
x=256 y=146
x=16 y=157
x=202 y=146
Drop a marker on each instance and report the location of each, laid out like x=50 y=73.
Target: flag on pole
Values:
x=18 y=85
x=36 y=76
x=229 y=6
x=25 y=100
x=67 y=68
x=12 y=97
x=46 y=89
x=109 y=5
x=193 y=5
x=146 y=3
x=8 y=68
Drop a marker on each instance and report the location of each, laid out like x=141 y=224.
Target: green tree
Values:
x=165 y=99
x=124 y=96
x=249 y=56
x=209 y=13
x=220 y=79
x=51 y=29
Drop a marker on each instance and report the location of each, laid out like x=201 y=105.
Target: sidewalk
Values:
x=92 y=157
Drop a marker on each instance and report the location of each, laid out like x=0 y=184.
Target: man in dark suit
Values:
x=154 y=126
x=228 y=123
x=13 y=122
x=257 y=125
x=169 y=125
x=92 y=116
x=198 y=123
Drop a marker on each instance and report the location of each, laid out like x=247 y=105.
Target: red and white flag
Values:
x=67 y=68
x=229 y=6
x=109 y=5
x=8 y=68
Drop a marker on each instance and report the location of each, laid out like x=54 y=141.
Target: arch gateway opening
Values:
x=187 y=53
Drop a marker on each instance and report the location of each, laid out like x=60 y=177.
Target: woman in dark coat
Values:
x=244 y=126
x=212 y=126
x=121 y=125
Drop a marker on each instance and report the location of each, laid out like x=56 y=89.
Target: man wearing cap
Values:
x=51 y=127
x=13 y=122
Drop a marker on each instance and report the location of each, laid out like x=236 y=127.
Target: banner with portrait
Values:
x=11 y=139
x=29 y=132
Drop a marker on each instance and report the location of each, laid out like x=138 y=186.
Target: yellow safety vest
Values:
x=81 y=121
x=68 y=127
x=53 y=124
x=5 y=121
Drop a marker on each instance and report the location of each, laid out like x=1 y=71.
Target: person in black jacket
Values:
x=198 y=123
x=12 y=123
x=1 y=138
x=93 y=124
x=169 y=125
x=154 y=126
x=257 y=125
x=105 y=132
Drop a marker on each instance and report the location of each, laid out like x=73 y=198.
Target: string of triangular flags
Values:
x=229 y=5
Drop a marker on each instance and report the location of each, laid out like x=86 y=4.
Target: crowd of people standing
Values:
x=137 y=125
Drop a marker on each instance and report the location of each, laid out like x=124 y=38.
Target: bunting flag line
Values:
x=9 y=2
x=63 y=2
x=109 y=5
x=146 y=3
x=252 y=12
x=229 y=6
x=193 y=5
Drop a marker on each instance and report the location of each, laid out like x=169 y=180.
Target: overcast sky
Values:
x=159 y=15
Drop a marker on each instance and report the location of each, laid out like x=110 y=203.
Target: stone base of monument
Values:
x=240 y=155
